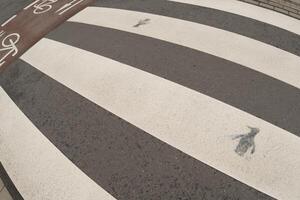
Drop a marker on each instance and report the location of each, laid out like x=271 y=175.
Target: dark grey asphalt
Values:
x=246 y=89
x=126 y=161
x=9 y=7
x=251 y=28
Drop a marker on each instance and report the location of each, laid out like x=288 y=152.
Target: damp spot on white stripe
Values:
x=142 y=22
x=246 y=142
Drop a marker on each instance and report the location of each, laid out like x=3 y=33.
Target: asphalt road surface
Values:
x=149 y=100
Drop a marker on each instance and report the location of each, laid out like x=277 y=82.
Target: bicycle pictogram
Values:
x=8 y=45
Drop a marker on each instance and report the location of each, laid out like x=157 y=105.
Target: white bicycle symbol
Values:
x=43 y=6
x=9 y=44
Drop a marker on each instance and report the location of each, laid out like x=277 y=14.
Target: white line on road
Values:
x=7 y=21
x=33 y=3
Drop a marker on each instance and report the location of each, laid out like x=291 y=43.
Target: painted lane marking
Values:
x=30 y=5
x=189 y=121
x=7 y=21
x=37 y=168
x=43 y=6
x=245 y=51
x=68 y=6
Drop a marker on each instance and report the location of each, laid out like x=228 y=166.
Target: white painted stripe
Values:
x=250 y=11
x=7 y=21
x=35 y=165
x=68 y=6
x=239 y=49
x=33 y=3
x=192 y=122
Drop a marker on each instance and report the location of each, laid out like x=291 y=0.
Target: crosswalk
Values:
x=176 y=107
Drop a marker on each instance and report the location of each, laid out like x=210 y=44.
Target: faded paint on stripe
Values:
x=192 y=122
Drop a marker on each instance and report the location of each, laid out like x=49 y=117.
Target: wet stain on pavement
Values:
x=142 y=22
x=246 y=141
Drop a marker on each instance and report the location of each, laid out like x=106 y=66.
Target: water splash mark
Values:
x=246 y=141
x=142 y=22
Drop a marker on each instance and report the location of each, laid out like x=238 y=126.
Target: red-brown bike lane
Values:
x=33 y=22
